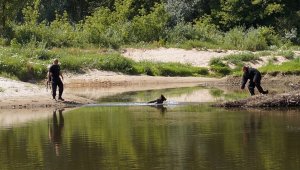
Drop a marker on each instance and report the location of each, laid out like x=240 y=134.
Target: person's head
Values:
x=245 y=68
x=55 y=61
x=162 y=97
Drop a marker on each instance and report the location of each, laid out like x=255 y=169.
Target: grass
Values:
x=31 y=62
x=290 y=67
x=27 y=64
x=238 y=59
x=263 y=53
x=288 y=54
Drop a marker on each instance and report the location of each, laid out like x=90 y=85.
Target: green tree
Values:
x=9 y=10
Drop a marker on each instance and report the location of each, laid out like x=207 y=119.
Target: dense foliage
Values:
x=244 y=24
x=32 y=27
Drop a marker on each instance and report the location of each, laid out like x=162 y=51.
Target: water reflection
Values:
x=162 y=109
x=252 y=127
x=135 y=136
x=155 y=137
x=55 y=130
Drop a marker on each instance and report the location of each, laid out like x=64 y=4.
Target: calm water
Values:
x=183 y=134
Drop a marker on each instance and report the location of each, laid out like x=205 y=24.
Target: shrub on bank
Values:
x=177 y=69
x=169 y=69
x=252 y=39
x=221 y=71
x=217 y=62
x=26 y=65
x=290 y=67
x=219 y=67
x=288 y=54
x=241 y=57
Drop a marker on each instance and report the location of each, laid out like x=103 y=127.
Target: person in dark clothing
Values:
x=56 y=78
x=159 y=100
x=254 y=77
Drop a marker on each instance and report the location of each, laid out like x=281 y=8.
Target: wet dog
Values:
x=159 y=100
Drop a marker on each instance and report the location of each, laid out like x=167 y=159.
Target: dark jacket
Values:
x=55 y=70
x=253 y=75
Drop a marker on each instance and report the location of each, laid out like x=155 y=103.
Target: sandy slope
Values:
x=193 y=57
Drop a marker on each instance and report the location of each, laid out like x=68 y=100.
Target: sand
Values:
x=193 y=57
x=85 y=88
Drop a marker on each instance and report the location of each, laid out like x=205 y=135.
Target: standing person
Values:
x=254 y=77
x=56 y=77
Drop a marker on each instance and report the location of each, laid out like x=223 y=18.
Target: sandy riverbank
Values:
x=20 y=95
x=16 y=94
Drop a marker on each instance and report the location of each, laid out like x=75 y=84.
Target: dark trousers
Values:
x=252 y=85
x=60 y=88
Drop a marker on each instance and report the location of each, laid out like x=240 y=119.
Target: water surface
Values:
x=183 y=135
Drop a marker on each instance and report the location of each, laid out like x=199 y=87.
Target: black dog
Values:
x=159 y=100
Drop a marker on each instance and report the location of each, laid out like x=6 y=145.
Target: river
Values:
x=124 y=132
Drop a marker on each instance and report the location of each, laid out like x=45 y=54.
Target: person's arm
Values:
x=244 y=81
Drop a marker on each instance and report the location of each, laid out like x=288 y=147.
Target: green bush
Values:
x=222 y=71
x=169 y=69
x=180 y=33
x=254 y=40
x=117 y=63
x=241 y=57
x=174 y=69
x=149 y=27
x=202 y=71
x=19 y=66
x=205 y=31
x=288 y=54
x=216 y=62
x=148 y=68
x=234 y=39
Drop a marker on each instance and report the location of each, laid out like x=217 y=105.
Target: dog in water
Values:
x=159 y=100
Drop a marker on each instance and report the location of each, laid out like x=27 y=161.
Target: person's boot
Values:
x=261 y=90
x=61 y=99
